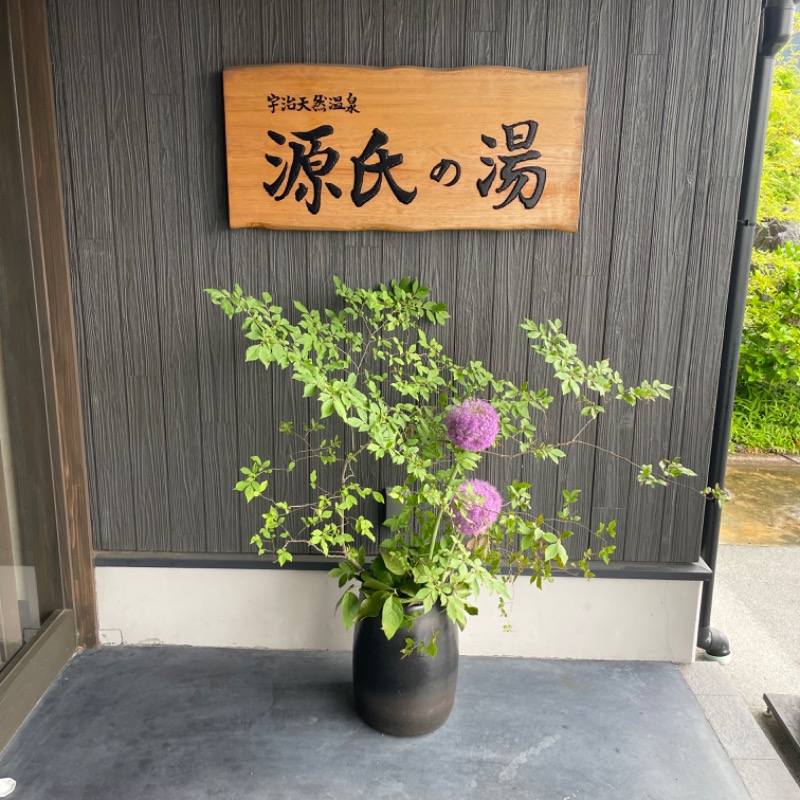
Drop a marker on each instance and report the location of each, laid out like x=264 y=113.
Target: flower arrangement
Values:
x=454 y=534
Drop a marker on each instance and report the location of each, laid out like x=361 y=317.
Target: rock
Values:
x=774 y=233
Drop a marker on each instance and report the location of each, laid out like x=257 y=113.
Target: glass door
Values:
x=30 y=578
x=30 y=569
x=11 y=623
x=44 y=598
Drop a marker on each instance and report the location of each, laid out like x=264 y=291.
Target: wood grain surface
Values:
x=642 y=281
x=403 y=149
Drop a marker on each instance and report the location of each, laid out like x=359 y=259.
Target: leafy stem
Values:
x=372 y=367
x=435 y=532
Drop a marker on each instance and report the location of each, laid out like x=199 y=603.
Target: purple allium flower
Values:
x=475 y=507
x=473 y=425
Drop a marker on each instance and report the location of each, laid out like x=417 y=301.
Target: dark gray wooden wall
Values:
x=171 y=408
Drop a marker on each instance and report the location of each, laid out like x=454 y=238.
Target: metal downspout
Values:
x=777 y=17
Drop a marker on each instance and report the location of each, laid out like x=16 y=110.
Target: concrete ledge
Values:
x=619 y=570
x=599 y=619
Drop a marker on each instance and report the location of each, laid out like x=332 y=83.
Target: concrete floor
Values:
x=757 y=589
x=757 y=606
x=172 y=723
x=164 y=723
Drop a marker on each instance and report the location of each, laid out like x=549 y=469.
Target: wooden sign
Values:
x=352 y=148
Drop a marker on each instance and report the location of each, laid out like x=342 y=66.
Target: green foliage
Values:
x=767 y=420
x=423 y=648
x=779 y=196
x=766 y=409
x=346 y=360
x=770 y=354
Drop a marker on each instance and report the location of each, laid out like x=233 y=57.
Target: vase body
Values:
x=405 y=696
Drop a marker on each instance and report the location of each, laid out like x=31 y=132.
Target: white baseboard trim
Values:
x=652 y=620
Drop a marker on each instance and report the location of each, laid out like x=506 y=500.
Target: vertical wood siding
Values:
x=171 y=408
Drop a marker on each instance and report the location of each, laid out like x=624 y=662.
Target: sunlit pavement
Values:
x=765 y=505
x=757 y=591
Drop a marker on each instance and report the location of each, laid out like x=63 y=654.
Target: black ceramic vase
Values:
x=405 y=696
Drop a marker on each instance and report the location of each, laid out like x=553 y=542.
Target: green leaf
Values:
x=376 y=585
x=380 y=571
x=392 y=616
x=372 y=605
x=350 y=606
x=455 y=610
x=394 y=563
x=327 y=407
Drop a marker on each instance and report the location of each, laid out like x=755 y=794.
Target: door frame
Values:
x=28 y=44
